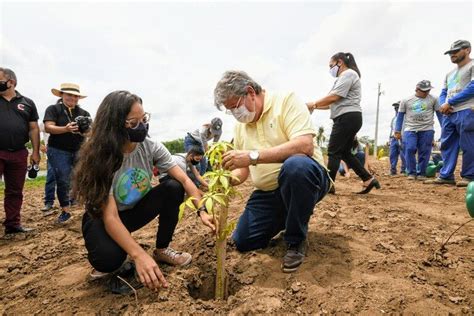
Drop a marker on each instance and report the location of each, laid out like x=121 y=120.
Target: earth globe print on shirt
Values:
x=132 y=185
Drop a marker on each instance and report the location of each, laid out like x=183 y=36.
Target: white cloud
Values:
x=172 y=54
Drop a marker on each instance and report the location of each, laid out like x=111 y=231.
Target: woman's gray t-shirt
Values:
x=133 y=180
x=348 y=87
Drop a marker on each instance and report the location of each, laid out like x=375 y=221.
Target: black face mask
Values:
x=195 y=162
x=3 y=86
x=138 y=134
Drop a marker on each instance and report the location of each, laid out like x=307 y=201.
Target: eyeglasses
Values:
x=229 y=111
x=135 y=122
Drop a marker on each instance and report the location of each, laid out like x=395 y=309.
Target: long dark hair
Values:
x=101 y=154
x=348 y=60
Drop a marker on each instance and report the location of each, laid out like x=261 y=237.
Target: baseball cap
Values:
x=216 y=125
x=396 y=104
x=459 y=44
x=424 y=85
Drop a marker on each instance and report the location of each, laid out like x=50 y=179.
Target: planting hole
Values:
x=203 y=286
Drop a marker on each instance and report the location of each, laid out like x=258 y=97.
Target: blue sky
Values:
x=173 y=53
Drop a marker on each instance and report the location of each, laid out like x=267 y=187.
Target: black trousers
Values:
x=344 y=130
x=105 y=254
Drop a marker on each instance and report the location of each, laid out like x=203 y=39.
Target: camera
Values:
x=33 y=171
x=83 y=123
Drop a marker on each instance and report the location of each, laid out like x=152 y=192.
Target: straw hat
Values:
x=70 y=88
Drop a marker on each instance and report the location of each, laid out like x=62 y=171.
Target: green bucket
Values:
x=431 y=171
x=470 y=198
x=440 y=165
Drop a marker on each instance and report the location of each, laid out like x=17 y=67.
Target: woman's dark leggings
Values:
x=344 y=130
x=104 y=254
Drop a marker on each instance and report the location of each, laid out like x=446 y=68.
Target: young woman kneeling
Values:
x=113 y=179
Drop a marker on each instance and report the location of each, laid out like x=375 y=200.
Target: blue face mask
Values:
x=138 y=134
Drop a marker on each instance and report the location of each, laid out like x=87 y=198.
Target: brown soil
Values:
x=373 y=254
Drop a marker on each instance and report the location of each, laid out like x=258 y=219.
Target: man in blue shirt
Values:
x=396 y=146
x=457 y=105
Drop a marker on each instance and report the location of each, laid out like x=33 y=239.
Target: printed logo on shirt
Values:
x=454 y=80
x=419 y=106
x=132 y=186
x=21 y=107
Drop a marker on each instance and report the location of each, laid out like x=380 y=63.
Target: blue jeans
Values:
x=302 y=183
x=188 y=143
x=418 y=142
x=396 y=150
x=359 y=155
x=62 y=162
x=50 y=185
x=458 y=132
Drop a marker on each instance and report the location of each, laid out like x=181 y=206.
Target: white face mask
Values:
x=334 y=70
x=243 y=115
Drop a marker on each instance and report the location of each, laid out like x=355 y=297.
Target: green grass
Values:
x=39 y=182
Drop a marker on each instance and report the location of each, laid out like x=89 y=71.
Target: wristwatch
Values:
x=254 y=154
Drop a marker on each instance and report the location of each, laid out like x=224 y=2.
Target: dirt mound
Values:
x=370 y=254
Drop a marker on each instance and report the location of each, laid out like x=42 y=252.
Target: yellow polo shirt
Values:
x=284 y=117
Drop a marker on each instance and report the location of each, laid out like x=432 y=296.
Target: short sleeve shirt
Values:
x=180 y=160
x=284 y=117
x=133 y=179
x=419 y=113
x=61 y=115
x=455 y=81
x=15 y=118
x=348 y=87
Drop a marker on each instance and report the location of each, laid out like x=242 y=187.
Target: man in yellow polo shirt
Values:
x=274 y=143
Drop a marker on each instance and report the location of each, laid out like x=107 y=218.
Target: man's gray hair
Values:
x=10 y=74
x=233 y=83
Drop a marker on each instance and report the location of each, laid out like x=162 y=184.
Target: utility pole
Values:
x=377 y=120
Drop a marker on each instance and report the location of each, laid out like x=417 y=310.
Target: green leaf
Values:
x=230 y=228
x=209 y=205
x=181 y=213
x=219 y=198
x=224 y=181
x=190 y=204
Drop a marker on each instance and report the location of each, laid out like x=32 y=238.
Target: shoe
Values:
x=95 y=275
x=374 y=183
x=47 y=210
x=421 y=178
x=464 y=182
x=411 y=177
x=294 y=257
x=440 y=181
x=64 y=217
x=17 y=229
x=127 y=272
x=172 y=257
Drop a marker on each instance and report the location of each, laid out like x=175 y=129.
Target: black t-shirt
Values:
x=15 y=118
x=62 y=115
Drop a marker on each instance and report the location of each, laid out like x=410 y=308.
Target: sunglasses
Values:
x=133 y=123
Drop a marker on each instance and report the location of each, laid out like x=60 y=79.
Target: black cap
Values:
x=216 y=125
x=396 y=104
x=460 y=44
x=424 y=85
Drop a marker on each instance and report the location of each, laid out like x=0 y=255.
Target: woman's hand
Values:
x=208 y=220
x=311 y=106
x=72 y=127
x=149 y=272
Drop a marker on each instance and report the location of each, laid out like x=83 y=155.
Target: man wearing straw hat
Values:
x=66 y=122
x=18 y=123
